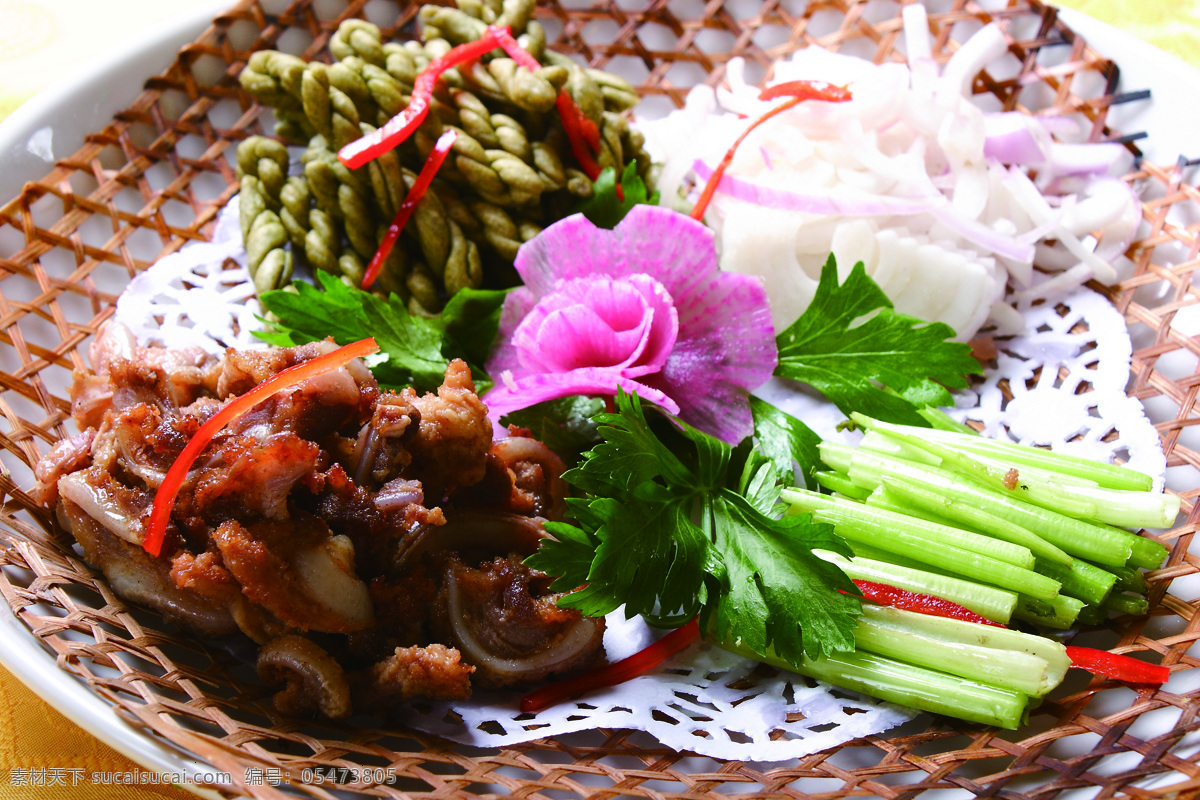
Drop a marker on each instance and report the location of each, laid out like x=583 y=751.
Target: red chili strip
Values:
x=640 y=662
x=798 y=91
x=421 y=185
x=806 y=90
x=582 y=133
x=888 y=595
x=401 y=126
x=1113 y=665
x=164 y=499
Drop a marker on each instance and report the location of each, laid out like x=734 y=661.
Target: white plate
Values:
x=52 y=126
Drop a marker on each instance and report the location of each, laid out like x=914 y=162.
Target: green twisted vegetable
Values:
x=511 y=169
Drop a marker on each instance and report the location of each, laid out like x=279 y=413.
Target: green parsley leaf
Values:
x=413 y=351
x=630 y=455
x=309 y=314
x=784 y=439
x=675 y=534
x=604 y=209
x=759 y=483
x=847 y=362
x=572 y=552
x=470 y=320
x=778 y=595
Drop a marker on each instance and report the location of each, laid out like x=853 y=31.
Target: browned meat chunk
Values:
x=137 y=576
x=454 y=435
x=298 y=572
x=433 y=671
x=522 y=476
x=66 y=457
x=505 y=623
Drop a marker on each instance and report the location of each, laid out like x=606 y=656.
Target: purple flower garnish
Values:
x=642 y=307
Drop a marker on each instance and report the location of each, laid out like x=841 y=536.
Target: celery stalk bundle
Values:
x=1007 y=531
x=1035 y=533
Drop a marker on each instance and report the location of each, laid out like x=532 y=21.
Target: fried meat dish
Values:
x=370 y=541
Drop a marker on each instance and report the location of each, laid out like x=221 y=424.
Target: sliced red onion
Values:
x=399 y=493
x=917 y=43
x=1023 y=188
x=1064 y=281
x=1015 y=138
x=823 y=203
x=1058 y=125
x=1098 y=158
x=979 y=234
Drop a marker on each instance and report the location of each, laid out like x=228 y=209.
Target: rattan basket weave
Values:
x=156 y=177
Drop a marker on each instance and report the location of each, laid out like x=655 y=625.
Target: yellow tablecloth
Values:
x=41 y=753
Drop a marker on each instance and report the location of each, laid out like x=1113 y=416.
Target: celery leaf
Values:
x=850 y=343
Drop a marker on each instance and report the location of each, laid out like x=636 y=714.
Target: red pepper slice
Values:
x=401 y=126
x=887 y=595
x=419 y=187
x=1114 y=665
x=806 y=90
x=582 y=133
x=798 y=91
x=640 y=662
x=164 y=499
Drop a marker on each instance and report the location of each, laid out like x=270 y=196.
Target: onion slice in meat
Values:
x=578 y=638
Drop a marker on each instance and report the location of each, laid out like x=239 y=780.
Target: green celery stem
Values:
x=1129 y=579
x=986 y=601
x=1131 y=604
x=1110 y=476
x=1059 y=613
x=903 y=536
x=974 y=518
x=1146 y=553
x=906 y=684
x=1080 y=580
x=1101 y=544
x=837 y=482
x=904 y=528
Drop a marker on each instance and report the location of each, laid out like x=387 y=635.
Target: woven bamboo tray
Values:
x=155 y=179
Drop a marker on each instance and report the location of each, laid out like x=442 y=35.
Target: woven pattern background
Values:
x=156 y=177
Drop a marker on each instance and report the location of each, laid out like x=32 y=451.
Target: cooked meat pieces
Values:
x=506 y=624
x=178 y=376
x=64 y=458
x=315 y=682
x=249 y=479
x=521 y=475
x=298 y=571
x=454 y=434
x=433 y=671
x=320 y=513
x=137 y=576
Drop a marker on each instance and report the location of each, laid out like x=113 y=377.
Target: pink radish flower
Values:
x=642 y=307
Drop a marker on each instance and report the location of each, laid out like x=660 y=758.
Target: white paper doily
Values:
x=199 y=296
x=1066 y=374
x=704 y=700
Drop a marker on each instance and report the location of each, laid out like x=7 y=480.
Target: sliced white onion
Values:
x=909 y=150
